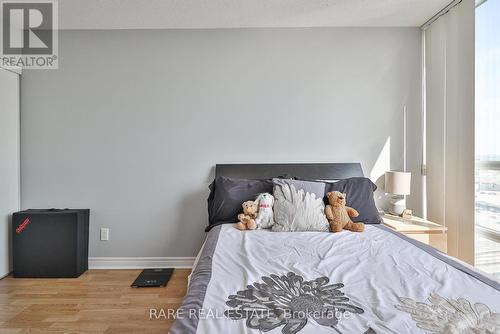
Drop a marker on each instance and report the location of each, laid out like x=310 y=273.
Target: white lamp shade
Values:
x=397 y=183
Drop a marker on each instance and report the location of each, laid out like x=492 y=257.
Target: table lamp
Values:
x=397 y=184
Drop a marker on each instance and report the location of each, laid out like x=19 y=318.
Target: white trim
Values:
x=13 y=69
x=442 y=12
x=405 y=139
x=140 y=262
x=4 y=276
x=480 y=2
x=423 y=169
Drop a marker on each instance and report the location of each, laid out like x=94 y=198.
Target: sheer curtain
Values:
x=449 y=59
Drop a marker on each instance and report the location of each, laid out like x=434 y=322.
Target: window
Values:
x=487 y=123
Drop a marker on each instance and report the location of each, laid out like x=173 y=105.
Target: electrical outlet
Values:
x=104 y=234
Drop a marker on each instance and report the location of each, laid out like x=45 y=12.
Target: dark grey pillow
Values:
x=317 y=188
x=227 y=195
x=359 y=193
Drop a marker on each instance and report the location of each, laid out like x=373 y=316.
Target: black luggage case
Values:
x=50 y=243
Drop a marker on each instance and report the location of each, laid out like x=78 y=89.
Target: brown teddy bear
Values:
x=339 y=215
x=247 y=218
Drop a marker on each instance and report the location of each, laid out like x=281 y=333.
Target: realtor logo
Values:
x=29 y=34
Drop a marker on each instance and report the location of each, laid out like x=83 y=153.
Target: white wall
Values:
x=9 y=162
x=133 y=122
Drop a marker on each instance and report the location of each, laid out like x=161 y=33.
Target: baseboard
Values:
x=140 y=262
x=3 y=276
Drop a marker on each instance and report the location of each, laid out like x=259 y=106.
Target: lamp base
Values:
x=397 y=205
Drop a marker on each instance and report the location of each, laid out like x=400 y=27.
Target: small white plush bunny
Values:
x=265 y=217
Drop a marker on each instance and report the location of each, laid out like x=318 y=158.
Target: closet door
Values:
x=9 y=162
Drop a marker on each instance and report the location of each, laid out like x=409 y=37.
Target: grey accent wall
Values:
x=132 y=122
x=9 y=163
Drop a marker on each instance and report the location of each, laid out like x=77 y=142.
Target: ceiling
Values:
x=178 y=14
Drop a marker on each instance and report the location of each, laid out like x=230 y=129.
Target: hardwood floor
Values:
x=99 y=301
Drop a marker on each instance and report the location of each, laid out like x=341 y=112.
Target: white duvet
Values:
x=370 y=282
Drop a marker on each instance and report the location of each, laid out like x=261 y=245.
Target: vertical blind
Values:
x=449 y=59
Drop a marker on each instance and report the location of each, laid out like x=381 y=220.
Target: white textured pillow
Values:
x=296 y=210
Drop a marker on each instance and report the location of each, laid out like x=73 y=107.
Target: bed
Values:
x=377 y=281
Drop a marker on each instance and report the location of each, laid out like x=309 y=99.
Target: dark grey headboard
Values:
x=321 y=171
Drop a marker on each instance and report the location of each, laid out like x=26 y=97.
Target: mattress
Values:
x=377 y=281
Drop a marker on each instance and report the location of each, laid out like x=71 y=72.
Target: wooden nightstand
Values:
x=419 y=229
